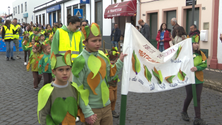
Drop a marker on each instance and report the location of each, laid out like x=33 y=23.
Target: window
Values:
x=68 y=10
x=18 y=9
x=59 y=16
x=84 y=11
x=25 y=6
x=14 y=10
x=40 y=21
x=21 y=8
x=98 y=12
x=22 y=21
x=43 y=18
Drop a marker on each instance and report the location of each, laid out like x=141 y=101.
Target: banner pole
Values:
x=123 y=109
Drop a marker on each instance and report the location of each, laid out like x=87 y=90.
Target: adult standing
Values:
x=68 y=38
x=175 y=25
x=194 y=31
x=163 y=38
x=16 y=37
x=145 y=29
x=7 y=37
x=115 y=35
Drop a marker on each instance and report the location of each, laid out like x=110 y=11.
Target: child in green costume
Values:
x=25 y=46
x=58 y=101
x=42 y=39
x=113 y=56
x=200 y=63
x=92 y=71
x=33 y=63
x=45 y=63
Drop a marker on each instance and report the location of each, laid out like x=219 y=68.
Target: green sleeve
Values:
x=41 y=68
x=202 y=66
x=86 y=109
x=44 y=112
x=119 y=65
x=30 y=38
x=55 y=43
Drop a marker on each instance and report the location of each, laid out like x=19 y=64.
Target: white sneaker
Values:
x=77 y=119
x=25 y=63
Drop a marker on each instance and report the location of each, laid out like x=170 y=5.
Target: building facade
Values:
x=50 y=12
x=23 y=10
x=156 y=12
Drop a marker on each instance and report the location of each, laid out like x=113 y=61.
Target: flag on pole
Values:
x=147 y=70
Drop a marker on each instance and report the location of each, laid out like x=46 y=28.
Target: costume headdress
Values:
x=37 y=38
x=35 y=28
x=24 y=33
x=61 y=59
x=91 y=31
x=195 y=39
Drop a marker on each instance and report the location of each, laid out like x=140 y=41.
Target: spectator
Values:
x=7 y=37
x=194 y=31
x=16 y=36
x=175 y=25
x=163 y=38
x=115 y=35
x=221 y=37
x=180 y=35
x=84 y=23
x=145 y=29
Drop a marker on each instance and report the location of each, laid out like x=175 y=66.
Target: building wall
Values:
x=205 y=15
x=30 y=9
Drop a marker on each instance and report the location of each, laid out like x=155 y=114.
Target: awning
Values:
x=127 y=8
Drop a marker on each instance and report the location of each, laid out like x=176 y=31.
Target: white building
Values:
x=94 y=11
x=23 y=9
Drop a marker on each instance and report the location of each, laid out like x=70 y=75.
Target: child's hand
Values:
x=91 y=119
x=193 y=69
x=122 y=56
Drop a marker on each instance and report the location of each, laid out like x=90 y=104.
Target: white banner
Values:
x=147 y=70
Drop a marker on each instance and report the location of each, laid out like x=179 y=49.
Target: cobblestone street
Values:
x=18 y=101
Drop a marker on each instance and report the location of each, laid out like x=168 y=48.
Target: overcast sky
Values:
x=4 y=6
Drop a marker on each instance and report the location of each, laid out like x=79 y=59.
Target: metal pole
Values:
x=193 y=8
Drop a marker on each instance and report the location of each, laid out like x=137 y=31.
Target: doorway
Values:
x=169 y=16
x=153 y=28
x=189 y=19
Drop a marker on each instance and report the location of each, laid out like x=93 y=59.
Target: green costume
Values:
x=92 y=71
x=58 y=104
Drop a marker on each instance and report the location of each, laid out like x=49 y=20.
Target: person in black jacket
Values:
x=115 y=35
x=145 y=29
x=194 y=31
x=8 y=42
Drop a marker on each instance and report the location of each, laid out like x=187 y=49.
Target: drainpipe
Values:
x=214 y=61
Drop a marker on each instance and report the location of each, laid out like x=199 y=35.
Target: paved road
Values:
x=18 y=102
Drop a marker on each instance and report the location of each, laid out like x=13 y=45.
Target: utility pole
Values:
x=193 y=8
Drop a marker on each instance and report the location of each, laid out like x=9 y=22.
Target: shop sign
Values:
x=84 y=1
x=53 y=8
x=25 y=15
x=190 y=2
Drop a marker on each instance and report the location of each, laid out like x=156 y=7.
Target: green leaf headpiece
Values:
x=91 y=31
x=61 y=59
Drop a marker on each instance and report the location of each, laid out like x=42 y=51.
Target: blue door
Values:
x=54 y=17
x=50 y=19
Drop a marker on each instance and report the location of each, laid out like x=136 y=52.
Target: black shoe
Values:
x=185 y=116
x=115 y=115
x=7 y=59
x=12 y=58
x=198 y=121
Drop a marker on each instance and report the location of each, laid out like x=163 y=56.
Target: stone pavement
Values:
x=18 y=102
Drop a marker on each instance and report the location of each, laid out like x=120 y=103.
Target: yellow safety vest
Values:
x=65 y=45
x=8 y=32
x=16 y=36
